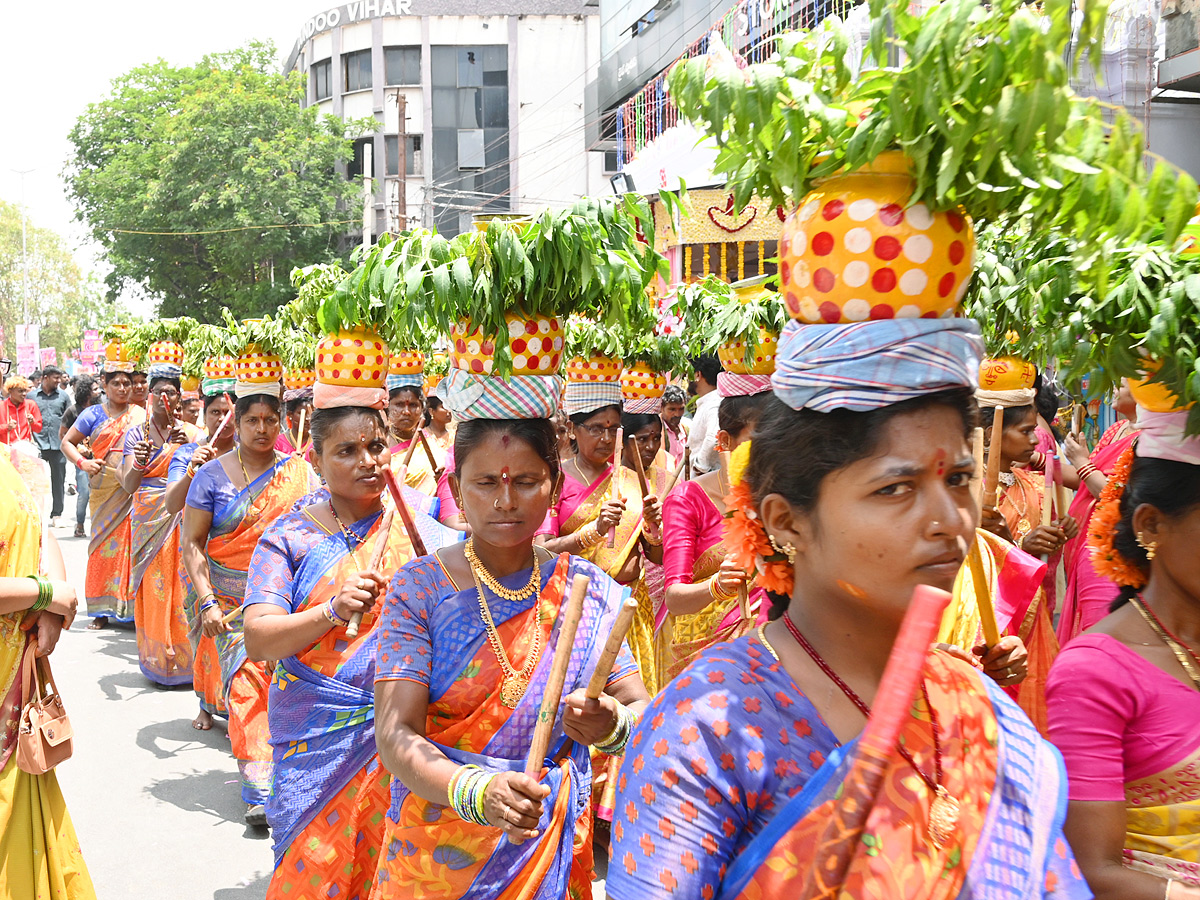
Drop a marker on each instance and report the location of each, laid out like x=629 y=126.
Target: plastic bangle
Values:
x=717 y=592
x=333 y=617
x=614 y=743
x=79 y=463
x=44 y=595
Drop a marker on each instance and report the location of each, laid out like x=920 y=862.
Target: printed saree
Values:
x=164 y=651
x=1021 y=505
x=1008 y=841
x=1089 y=594
x=106 y=585
x=39 y=852
x=1015 y=583
x=330 y=792
x=420 y=475
x=244 y=684
x=1162 y=826
x=431 y=853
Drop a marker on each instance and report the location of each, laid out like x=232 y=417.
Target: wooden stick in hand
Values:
x=381 y=542
x=612 y=647
x=433 y=464
x=228 y=618
x=300 y=428
x=408 y=454
x=558 y=676
x=992 y=480
x=616 y=481
x=983 y=593
x=410 y=525
x=652 y=532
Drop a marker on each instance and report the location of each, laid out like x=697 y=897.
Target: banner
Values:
x=91 y=347
x=27 y=358
x=49 y=357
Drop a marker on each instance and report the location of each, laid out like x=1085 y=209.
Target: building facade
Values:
x=479 y=105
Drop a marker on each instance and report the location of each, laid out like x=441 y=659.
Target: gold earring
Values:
x=788 y=549
x=1151 y=548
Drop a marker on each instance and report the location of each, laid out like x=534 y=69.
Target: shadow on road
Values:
x=181 y=731
x=118 y=642
x=215 y=793
x=255 y=890
x=135 y=681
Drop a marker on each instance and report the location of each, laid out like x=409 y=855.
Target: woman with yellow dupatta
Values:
x=857 y=491
x=1125 y=695
x=164 y=652
x=230 y=503
x=103 y=426
x=39 y=852
x=465 y=646
x=310 y=574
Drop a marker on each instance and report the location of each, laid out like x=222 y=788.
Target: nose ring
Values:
x=496 y=504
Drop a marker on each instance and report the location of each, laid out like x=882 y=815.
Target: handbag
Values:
x=44 y=733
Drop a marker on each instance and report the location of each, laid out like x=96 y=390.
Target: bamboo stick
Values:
x=652 y=532
x=616 y=481
x=408 y=454
x=1048 y=491
x=300 y=428
x=687 y=463
x=433 y=465
x=381 y=541
x=744 y=601
x=232 y=614
x=616 y=637
x=557 y=678
x=983 y=593
x=1078 y=414
x=410 y=526
x=992 y=478
x=977 y=478
x=224 y=421
x=672 y=482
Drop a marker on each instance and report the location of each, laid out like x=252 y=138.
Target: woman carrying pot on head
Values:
x=310 y=575
x=230 y=503
x=164 y=654
x=104 y=426
x=465 y=646
x=218 y=440
x=406 y=414
x=856 y=492
x=1125 y=695
x=297 y=411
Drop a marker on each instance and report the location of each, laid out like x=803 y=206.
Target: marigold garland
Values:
x=749 y=545
x=1106 y=559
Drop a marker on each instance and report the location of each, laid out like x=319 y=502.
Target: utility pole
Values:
x=402 y=158
x=368 y=196
x=24 y=253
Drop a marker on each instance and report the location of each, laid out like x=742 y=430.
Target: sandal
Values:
x=256 y=815
x=79 y=532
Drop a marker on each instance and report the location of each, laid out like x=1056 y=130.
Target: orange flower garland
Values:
x=1106 y=559
x=748 y=542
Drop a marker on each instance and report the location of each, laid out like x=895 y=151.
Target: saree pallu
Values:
x=39 y=852
x=106 y=584
x=429 y=852
x=330 y=793
x=1015 y=584
x=1162 y=824
x=235 y=532
x=1021 y=505
x=420 y=475
x=164 y=651
x=1007 y=844
x=1089 y=594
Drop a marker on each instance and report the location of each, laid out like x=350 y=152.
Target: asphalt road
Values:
x=156 y=803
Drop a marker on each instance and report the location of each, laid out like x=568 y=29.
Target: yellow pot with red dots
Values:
x=218 y=367
x=640 y=382
x=353 y=357
x=296 y=379
x=407 y=362
x=1154 y=395
x=733 y=355
x=256 y=367
x=535 y=342
x=1006 y=373
x=164 y=353
x=854 y=250
x=594 y=368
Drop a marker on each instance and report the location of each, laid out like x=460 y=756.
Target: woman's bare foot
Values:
x=203 y=722
x=98 y=623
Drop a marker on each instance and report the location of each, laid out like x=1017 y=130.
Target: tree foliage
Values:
x=224 y=146
x=62 y=300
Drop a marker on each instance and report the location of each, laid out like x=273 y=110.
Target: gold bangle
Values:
x=649 y=540
x=717 y=592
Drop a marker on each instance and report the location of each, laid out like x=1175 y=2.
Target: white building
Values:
x=483 y=100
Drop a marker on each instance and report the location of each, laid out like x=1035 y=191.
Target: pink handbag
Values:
x=44 y=733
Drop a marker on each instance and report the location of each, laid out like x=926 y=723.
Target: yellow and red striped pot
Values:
x=854 y=249
x=1006 y=373
x=640 y=382
x=353 y=357
x=407 y=362
x=594 y=368
x=733 y=355
x=256 y=367
x=295 y=379
x=536 y=343
x=166 y=353
x=218 y=367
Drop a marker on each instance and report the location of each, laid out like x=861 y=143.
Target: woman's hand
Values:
x=92 y=466
x=177 y=435
x=1007 y=662
x=588 y=722
x=1044 y=540
x=1069 y=526
x=202 y=455
x=1075 y=450
x=610 y=515
x=142 y=451
x=730 y=577
x=652 y=510
x=47 y=626
x=359 y=592
x=992 y=520
x=513 y=803
x=213 y=623
x=63 y=603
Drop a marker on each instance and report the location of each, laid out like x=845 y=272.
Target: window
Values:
x=414 y=162
x=322 y=73
x=356 y=67
x=470 y=148
x=402 y=65
x=354 y=169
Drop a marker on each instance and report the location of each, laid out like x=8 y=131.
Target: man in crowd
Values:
x=52 y=402
x=675 y=433
x=703 y=439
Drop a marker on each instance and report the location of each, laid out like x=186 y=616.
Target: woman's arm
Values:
x=579 y=541
x=70 y=448
x=193 y=539
x=177 y=490
x=137 y=454
x=274 y=633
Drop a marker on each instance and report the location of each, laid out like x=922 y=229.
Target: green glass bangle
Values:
x=45 y=593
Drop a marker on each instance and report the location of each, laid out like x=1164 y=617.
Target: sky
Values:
x=61 y=55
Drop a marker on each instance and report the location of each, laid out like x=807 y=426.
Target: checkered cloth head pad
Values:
x=416 y=379
x=210 y=386
x=164 y=370
x=650 y=405
x=732 y=384
x=471 y=396
x=589 y=396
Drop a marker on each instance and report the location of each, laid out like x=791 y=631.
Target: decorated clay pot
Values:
x=733 y=355
x=431 y=382
x=164 y=353
x=189 y=383
x=217 y=367
x=354 y=357
x=115 y=350
x=295 y=379
x=256 y=367
x=407 y=362
x=855 y=250
x=1154 y=395
x=1006 y=373
x=536 y=344
x=640 y=382
x=594 y=368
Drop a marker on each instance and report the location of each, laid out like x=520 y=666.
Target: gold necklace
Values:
x=515 y=684
x=1186 y=658
x=242 y=466
x=481 y=572
x=762 y=636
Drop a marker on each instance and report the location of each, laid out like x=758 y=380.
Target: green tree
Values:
x=61 y=299
x=224 y=147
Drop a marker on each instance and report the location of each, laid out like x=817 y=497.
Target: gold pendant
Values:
x=513 y=688
x=943 y=817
